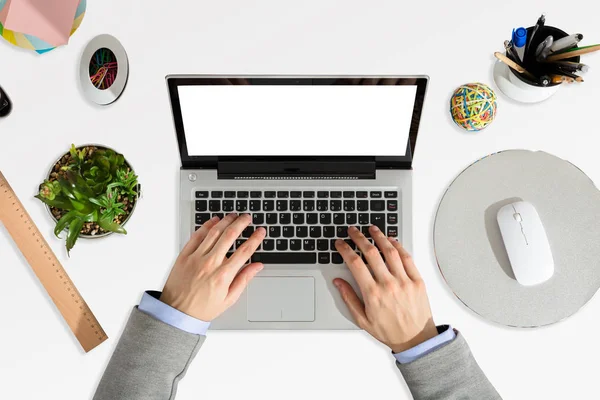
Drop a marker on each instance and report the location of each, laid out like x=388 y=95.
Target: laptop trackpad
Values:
x=276 y=299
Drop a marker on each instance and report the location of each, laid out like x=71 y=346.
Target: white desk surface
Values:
x=41 y=359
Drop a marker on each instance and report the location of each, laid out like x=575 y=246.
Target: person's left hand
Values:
x=204 y=282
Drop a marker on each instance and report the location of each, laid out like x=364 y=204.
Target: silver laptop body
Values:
x=295 y=289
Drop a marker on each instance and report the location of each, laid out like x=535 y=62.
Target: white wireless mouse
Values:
x=526 y=243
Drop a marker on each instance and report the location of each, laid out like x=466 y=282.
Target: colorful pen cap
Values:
x=519 y=37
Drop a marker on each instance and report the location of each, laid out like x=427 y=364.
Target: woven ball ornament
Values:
x=473 y=106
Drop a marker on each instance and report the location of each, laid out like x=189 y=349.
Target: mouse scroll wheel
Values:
x=517 y=217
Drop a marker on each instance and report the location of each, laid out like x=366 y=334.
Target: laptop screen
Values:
x=339 y=117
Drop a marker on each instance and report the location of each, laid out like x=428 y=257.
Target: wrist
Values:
x=429 y=332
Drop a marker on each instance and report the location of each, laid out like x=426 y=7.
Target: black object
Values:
x=5 y=104
x=530 y=63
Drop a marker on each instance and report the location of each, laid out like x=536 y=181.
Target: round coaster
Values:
x=104 y=69
x=471 y=254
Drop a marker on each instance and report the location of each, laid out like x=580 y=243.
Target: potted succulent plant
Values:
x=90 y=192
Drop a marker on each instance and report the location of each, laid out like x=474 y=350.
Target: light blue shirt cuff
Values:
x=445 y=335
x=152 y=306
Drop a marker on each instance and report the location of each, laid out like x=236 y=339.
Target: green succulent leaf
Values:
x=60 y=202
x=74 y=231
x=64 y=222
x=111 y=226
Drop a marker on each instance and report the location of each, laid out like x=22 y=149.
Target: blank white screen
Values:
x=304 y=120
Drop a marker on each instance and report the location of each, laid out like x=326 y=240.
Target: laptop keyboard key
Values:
x=295 y=205
x=283 y=194
x=254 y=205
x=270 y=195
x=268 y=205
x=271 y=218
x=302 y=231
x=201 y=218
x=295 y=244
x=274 y=231
x=315 y=232
x=375 y=195
x=241 y=205
x=322 y=244
x=350 y=243
x=216 y=194
x=296 y=194
x=308 y=244
x=258 y=218
x=365 y=231
x=308 y=195
x=362 y=195
x=349 y=205
x=392 y=231
x=214 y=205
x=268 y=244
x=392 y=205
x=378 y=220
x=229 y=194
x=298 y=219
x=201 y=195
x=335 y=205
x=256 y=195
x=201 y=205
x=336 y=258
x=312 y=218
x=339 y=219
x=309 y=205
x=228 y=205
x=348 y=195
x=322 y=205
x=285 y=218
x=242 y=195
x=281 y=244
x=248 y=232
x=392 y=219
x=336 y=195
x=377 y=205
x=351 y=219
x=282 y=205
x=239 y=243
x=362 y=205
x=220 y=215
x=363 y=219
x=285 y=258
x=342 y=231
x=328 y=231
x=391 y=195
x=325 y=218
x=288 y=231
x=324 y=258
x=322 y=195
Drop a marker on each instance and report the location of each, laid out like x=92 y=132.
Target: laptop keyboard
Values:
x=303 y=225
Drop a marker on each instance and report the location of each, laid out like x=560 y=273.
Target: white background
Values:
x=301 y=120
x=451 y=42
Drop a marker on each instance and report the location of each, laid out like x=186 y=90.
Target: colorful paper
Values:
x=30 y=41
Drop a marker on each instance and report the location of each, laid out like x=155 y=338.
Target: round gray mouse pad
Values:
x=471 y=254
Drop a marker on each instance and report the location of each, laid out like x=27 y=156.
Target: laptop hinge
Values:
x=296 y=170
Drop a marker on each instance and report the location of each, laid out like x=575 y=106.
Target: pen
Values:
x=570 y=66
x=544 y=48
x=519 y=39
x=574 y=52
x=510 y=51
x=540 y=23
x=566 y=42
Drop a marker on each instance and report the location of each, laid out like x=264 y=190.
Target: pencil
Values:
x=514 y=65
x=574 y=52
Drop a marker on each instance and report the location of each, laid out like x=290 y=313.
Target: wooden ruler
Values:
x=48 y=269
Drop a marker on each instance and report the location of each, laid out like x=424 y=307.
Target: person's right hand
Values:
x=204 y=282
x=396 y=310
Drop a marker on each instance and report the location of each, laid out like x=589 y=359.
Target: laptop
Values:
x=306 y=157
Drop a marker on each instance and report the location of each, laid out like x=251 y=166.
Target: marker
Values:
x=566 y=42
x=540 y=23
x=519 y=39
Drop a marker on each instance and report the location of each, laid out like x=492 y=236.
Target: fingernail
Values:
x=259 y=268
x=337 y=284
x=232 y=215
x=375 y=228
x=215 y=219
x=339 y=241
x=352 y=228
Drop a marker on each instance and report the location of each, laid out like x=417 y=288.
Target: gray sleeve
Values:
x=449 y=373
x=149 y=360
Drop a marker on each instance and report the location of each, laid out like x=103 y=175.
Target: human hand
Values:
x=204 y=282
x=396 y=309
